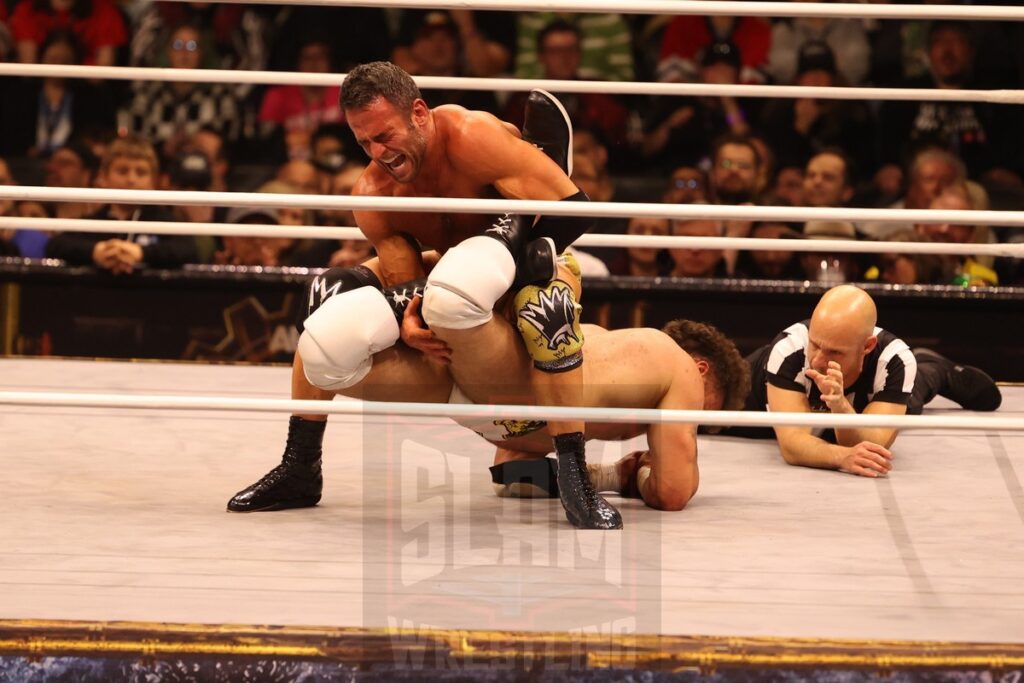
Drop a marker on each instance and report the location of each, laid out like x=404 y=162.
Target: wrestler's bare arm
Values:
x=674 y=475
x=398 y=260
x=482 y=146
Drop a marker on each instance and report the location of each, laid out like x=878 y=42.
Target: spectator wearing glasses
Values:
x=160 y=111
x=688 y=185
x=232 y=36
x=736 y=177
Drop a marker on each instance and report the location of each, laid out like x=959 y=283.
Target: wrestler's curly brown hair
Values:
x=728 y=367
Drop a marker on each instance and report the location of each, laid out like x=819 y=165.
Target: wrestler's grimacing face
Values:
x=394 y=141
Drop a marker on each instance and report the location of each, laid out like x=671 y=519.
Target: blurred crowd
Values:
x=288 y=138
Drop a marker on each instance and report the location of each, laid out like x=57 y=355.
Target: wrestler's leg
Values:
x=297 y=481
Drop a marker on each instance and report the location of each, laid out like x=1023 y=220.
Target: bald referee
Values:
x=839 y=361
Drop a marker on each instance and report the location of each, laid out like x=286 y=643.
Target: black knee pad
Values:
x=330 y=282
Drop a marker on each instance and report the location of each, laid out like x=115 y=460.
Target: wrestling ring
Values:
x=118 y=561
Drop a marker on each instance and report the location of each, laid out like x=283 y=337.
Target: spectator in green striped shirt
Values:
x=607 y=45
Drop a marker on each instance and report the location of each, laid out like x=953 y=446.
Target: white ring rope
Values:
x=515 y=84
x=522 y=412
x=750 y=9
x=500 y=206
x=625 y=241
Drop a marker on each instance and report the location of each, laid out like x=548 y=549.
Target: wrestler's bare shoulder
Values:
x=470 y=126
x=375 y=182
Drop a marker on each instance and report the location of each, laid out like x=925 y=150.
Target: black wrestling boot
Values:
x=537 y=264
x=966 y=385
x=536 y=478
x=547 y=125
x=584 y=508
x=297 y=482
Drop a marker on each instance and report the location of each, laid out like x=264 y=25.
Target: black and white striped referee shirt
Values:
x=888 y=374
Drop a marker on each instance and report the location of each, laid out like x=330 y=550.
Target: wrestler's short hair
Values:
x=706 y=342
x=367 y=82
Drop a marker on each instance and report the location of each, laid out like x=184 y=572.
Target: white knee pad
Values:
x=466 y=283
x=341 y=336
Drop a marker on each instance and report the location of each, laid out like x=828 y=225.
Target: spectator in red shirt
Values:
x=97 y=23
x=687 y=37
x=298 y=110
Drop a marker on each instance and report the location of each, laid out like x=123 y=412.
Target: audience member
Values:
x=598 y=185
x=97 y=23
x=436 y=50
x=643 y=261
x=798 y=128
x=329 y=154
x=846 y=39
x=830 y=268
x=772 y=264
x=687 y=185
x=700 y=262
x=296 y=111
x=347 y=252
x=827 y=180
x=788 y=187
x=931 y=171
x=211 y=144
x=607 y=44
x=965 y=270
x=29 y=242
x=687 y=38
x=297 y=252
x=486 y=41
x=340 y=184
x=231 y=37
x=586 y=143
x=678 y=130
x=73 y=165
x=982 y=134
x=238 y=250
x=560 y=51
x=358 y=34
x=736 y=177
x=192 y=171
x=40 y=115
x=129 y=164
x=895 y=268
x=301 y=175
x=161 y=110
